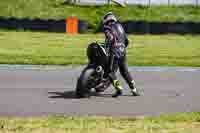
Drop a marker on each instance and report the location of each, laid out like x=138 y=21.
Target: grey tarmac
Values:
x=49 y=90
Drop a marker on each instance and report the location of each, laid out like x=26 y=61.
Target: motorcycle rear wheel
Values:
x=85 y=83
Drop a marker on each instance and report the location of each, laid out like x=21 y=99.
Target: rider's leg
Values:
x=116 y=84
x=123 y=67
x=113 y=78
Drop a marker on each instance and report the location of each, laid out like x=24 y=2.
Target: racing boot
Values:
x=118 y=88
x=133 y=88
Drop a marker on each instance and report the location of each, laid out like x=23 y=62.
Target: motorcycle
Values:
x=94 y=74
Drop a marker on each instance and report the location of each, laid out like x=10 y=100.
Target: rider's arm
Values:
x=109 y=35
x=110 y=42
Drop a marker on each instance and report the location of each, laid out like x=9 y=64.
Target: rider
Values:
x=116 y=43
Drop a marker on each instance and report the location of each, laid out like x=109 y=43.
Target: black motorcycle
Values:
x=94 y=74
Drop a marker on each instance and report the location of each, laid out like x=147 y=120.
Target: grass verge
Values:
x=178 y=123
x=61 y=49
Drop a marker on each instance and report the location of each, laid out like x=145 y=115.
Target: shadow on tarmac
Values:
x=72 y=95
x=64 y=95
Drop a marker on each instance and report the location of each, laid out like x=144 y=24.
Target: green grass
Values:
x=178 y=123
x=61 y=49
x=54 y=9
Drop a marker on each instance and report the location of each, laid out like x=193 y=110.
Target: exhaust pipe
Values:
x=99 y=69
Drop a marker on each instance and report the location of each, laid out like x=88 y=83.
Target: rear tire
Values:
x=83 y=85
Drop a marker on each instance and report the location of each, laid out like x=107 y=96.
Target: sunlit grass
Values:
x=177 y=123
x=62 y=49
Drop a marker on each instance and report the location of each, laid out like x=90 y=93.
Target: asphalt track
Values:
x=44 y=90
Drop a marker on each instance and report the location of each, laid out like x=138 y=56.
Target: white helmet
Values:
x=109 y=17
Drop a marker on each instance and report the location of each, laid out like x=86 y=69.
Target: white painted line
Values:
x=134 y=68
